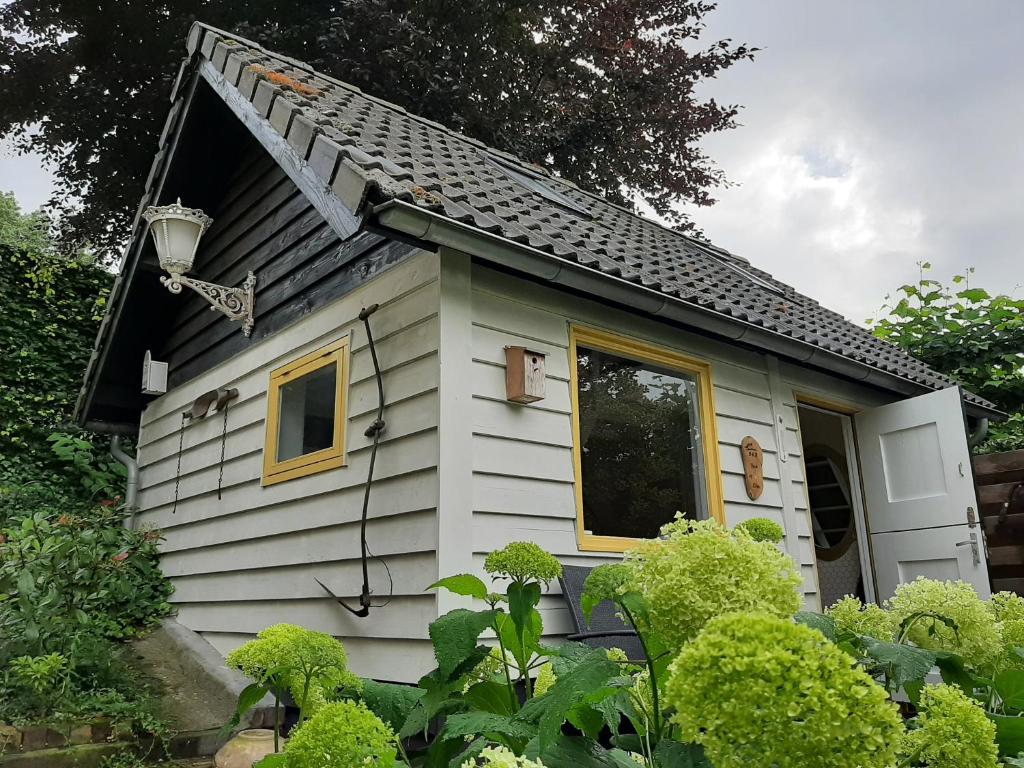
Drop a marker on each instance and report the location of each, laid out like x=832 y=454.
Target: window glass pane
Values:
x=640 y=445
x=307 y=413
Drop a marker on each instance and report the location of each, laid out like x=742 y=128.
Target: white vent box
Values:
x=154 y=375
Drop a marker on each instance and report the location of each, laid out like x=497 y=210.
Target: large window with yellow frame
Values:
x=645 y=445
x=306 y=415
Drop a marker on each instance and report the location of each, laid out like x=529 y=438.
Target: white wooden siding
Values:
x=522 y=455
x=249 y=558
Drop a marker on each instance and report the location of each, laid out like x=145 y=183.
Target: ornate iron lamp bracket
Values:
x=234 y=303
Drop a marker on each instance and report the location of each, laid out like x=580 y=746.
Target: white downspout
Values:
x=131 y=490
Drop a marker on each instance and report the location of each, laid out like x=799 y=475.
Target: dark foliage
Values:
x=600 y=91
x=974 y=336
x=49 y=314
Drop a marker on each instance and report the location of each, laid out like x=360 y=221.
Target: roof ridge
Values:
x=503 y=154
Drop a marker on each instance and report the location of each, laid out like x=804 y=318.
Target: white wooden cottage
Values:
x=650 y=357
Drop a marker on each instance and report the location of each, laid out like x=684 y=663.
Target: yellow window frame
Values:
x=274 y=471
x=643 y=352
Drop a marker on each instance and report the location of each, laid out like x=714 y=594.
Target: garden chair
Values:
x=606 y=629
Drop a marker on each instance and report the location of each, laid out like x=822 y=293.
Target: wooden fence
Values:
x=1000 y=479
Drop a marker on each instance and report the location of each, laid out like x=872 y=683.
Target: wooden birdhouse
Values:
x=524 y=375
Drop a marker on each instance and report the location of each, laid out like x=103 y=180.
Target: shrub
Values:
x=72 y=569
x=975 y=634
x=340 y=735
x=523 y=561
x=312 y=665
x=851 y=615
x=759 y=691
x=952 y=732
x=763 y=529
x=700 y=570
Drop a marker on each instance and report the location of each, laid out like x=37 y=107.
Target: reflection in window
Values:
x=640 y=445
x=307 y=414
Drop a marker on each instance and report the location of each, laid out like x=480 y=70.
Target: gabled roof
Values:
x=407 y=174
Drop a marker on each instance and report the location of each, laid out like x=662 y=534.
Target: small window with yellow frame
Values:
x=306 y=415
x=644 y=443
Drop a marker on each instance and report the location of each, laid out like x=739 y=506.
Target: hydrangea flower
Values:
x=340 y=735
x=953 y=732
x=759 y=691
x=851 y=615
x=762 y=529
x=976 y=637
x=546 y=678
x=607 y=582
x=523 y=561
x=490 y=669
x=500 y=757
x=700 y=570
x=306 y=653
x=1007 y=606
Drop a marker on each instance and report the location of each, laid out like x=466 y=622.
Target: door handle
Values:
x=975 y=550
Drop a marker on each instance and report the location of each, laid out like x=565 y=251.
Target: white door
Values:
x=919 y=492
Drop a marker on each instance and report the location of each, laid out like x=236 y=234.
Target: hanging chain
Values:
x=223 y=445
x=177 y=472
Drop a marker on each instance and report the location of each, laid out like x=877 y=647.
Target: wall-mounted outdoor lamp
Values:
x=176 y=234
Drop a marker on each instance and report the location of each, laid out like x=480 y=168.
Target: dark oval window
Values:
x=828 y=493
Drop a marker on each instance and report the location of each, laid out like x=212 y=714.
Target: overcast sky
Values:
x=875 y=134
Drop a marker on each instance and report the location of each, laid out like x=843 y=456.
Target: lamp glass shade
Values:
x=176 y=233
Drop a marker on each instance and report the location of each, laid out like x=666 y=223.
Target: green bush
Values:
x=341 y=735
x=758 y=691
x=71 y=568
x=699 y=570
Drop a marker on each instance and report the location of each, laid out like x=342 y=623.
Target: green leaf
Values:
x=391 y=702
x=974 y=295
x=454 y=636
x=1009 y=734
x=902 y=664
x=672 y=754
x=250 y=696
x=824 y=624
x=585 y=682
x=462 y=584
x=277 y=760
x=464 y=724
x=491 y=697
x=1009 y=684
x=577 y=752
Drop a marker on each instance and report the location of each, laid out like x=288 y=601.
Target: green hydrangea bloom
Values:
x=341 y=735
x=1007 y=606
x=1013 y=638
x=500 y=757
x=700 y=570
x=851 y=615
x=546 y=678
x=762 y=529
x=953 y=732
x=759 y=691
x=523 y=561
x=490 y=669
x=607 y=582
x=306 y=653
x=977 y=636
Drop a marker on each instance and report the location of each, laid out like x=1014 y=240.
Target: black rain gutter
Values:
x=429 y=226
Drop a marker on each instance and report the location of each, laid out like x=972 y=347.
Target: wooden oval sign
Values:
x=753 y=467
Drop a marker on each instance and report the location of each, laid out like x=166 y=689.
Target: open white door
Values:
x=919 y=492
